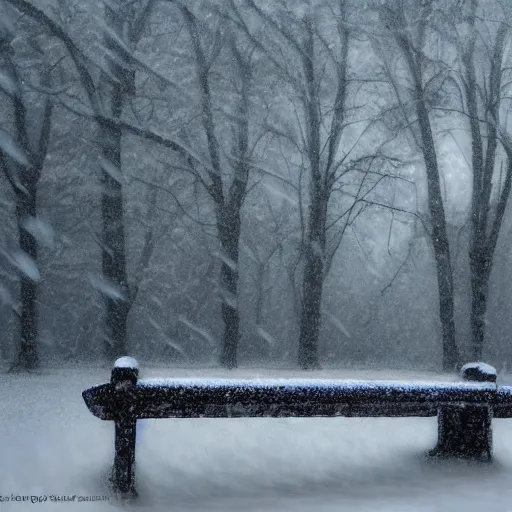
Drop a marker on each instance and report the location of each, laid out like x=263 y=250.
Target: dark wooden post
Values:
x=124 y=379
x=465 y=431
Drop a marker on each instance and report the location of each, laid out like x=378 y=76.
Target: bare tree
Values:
x=118 y=84
x=483 y=93
x=410 y=39
x=228 y=197
x=123 y=28
x=310 y=53
x=21 y=161
x=228 y=206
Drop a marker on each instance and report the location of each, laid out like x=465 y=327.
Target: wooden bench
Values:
x=464 y=409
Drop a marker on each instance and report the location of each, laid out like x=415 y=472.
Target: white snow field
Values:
x=50 y=444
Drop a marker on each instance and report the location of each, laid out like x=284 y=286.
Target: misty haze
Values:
x=270 y=241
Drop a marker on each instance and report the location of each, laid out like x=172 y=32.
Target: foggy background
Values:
x=121 y=197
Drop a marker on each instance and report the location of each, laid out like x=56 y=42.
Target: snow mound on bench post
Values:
x=126 y=362
x=479 y=372
x=125 y=372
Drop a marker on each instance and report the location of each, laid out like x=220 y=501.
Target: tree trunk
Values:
x=260 y=275
x=113 y=254
x=484 y=229
x=229 y=234
x=112 y=208
x=26 y=205
x=27 y=358
x=439 y=235
x=479 y=293
x=440 y=243
x=313 y=281
x=311 y=312
x=313 y=278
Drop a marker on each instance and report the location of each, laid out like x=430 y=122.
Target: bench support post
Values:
x=124 y=460
x=124 y=381
x=464 y=432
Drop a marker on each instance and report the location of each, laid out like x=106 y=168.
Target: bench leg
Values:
x=124 y=460
x=464 y=432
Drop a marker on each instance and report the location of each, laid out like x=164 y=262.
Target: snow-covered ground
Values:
x=50 y=444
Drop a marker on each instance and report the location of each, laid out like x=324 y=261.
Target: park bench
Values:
x=464 y=409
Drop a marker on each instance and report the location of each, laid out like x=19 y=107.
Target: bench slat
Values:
x=193 y=398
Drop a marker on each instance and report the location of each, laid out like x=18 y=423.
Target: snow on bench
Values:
x=481 y=372
x=464 y=409
x=126 y=362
